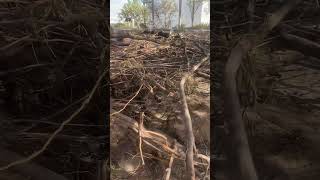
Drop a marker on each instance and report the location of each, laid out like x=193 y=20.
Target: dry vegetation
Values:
x=52 y=69
x=277 y=85
x=148 y=127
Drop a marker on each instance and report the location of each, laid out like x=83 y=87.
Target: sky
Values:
x=115 y=7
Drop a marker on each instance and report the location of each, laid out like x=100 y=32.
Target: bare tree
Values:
x=150 y=5
x=164 y=11
x=194 y=6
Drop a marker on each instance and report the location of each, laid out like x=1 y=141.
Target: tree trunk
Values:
x=192 y=14
x=179 y=19
x=153 y=14
x=165 y=21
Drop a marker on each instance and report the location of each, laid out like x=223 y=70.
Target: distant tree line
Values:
x=138 y=12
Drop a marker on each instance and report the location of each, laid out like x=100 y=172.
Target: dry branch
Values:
x=203 y=75
x=161 y=68
x=303 y=45
x=140 y=138
x=163 y=142
x=188 y=121
x=169 y=169
x=61 y=127
x=160 y=141
x=49 y=53
x=240 y=158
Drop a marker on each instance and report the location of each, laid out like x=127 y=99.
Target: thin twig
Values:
x=4 y=48
x=128 y=102
x=55 y=133
x=52 y=123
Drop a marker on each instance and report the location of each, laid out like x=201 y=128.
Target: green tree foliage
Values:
x=134 y=10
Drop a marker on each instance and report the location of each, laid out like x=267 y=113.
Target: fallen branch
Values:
x=169 y=169
x=160 y=141
x=56 y=132
x=52 y=123
x=203 y=75
x=140 y=138
x=305 y=46
x=124 y=107
x=240 y=158
x=188 y=121
x=60 y=136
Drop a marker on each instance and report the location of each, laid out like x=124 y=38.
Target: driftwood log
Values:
x=239 y=155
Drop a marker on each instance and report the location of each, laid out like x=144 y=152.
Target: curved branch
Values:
x=242 y=165
x=188 y=121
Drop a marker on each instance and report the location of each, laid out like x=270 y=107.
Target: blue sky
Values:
x=115 y=7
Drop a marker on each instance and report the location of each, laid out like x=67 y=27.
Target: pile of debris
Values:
x=270 y=95
x=52 y=52
x=148 y=127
